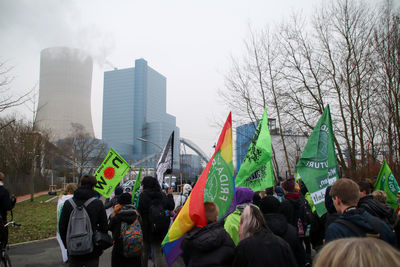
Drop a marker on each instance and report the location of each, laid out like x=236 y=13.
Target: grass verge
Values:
x=38 y=219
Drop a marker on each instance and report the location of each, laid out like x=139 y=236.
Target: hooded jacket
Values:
x=280 y=227
x=126 y=214
x=263 y=249
x=363 y=221
x=293 y=208
x=146 y=199
x=208 y=246
x=375 y=208
x=243 y=195
x=96 y=212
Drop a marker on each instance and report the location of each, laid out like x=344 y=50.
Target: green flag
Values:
x=387 y=183
x=136 y=190
x=110 y=173
x=256 y=171
x=317 y=166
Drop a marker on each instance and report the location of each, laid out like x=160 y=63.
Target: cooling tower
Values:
x=64 y=91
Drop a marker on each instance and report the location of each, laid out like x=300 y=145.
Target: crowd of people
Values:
x=275 y=227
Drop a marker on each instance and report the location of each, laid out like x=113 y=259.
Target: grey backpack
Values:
x=79 y=232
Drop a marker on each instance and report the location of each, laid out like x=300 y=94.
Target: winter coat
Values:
x=210 y=245
x=146 y=199
x=263 y=249
x=126 y=214
x=6 y=203
x=96 y=212
x=293 y=208
x=363 y=221
x=243 y=196
x=280 y=227
x=375 y=208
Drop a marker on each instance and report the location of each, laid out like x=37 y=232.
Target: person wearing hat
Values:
x=124 y=211
x=293 y=208
x=6 y=203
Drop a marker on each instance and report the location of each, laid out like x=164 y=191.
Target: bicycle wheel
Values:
x=5 y=261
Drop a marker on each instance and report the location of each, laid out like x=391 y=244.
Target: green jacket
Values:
x=231 y=225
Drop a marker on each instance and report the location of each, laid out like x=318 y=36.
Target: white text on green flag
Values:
x=317 y=166
x=387 y=183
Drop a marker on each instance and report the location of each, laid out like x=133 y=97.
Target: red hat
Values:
x=288 y=184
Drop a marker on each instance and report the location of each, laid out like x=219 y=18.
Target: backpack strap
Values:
x=355 y=229
x=73 y=204
x=87 y=202
x=90 y=200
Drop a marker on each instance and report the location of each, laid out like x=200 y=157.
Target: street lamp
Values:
x=148 y=141
x=151 y=142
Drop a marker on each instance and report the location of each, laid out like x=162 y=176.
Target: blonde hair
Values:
x=70 y=189
x=251 y=222
x=357 y=251
x=380 y=196
x=2 y=176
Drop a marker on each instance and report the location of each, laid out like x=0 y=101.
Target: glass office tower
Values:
x=134 y=106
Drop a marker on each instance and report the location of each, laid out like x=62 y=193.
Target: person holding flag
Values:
x=210 y=245
x=151 y=199
x=216 y=185
x=373 y=206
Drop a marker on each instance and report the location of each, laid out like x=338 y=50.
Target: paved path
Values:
x=26 y=197
x=47 y=253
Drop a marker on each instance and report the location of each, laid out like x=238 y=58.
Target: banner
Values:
x=215 y=184
x=166 y=161
x=256 y=171
x=387 y=183
x=317 y=166
x=110 y=173
x=60 y=205
x=136 y=190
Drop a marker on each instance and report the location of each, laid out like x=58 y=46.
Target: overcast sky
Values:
x=189 y=42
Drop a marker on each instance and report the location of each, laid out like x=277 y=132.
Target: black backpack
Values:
x=159 y=218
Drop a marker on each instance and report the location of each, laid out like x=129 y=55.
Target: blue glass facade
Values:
x=244 y=134
x=139 y=95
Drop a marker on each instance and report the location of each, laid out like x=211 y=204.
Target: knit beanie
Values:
x=124 y=199
x=269 y=204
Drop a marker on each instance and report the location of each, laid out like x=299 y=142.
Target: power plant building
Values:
x=134 y=106
x=64 y=91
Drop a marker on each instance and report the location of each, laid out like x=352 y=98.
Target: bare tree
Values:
x=346 y=55
x=8 y=100
x=86 y=153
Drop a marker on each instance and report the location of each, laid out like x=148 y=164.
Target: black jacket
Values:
x=280 y=227
x=263 y=249
x=128 y=215
x=146 y=199
x=95 y=210
x=6 y=203
x=375 y=208
x=210 y=245
x=293 y=208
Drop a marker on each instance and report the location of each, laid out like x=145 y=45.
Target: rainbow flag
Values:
x=215 y=184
